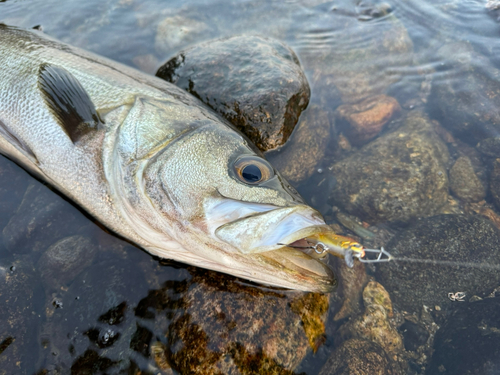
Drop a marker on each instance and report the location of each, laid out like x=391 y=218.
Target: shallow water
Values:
x=115 y=314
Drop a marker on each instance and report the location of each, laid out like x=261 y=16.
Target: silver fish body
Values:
x=152 y=163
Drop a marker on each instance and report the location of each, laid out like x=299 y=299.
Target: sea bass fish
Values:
x=154 y=164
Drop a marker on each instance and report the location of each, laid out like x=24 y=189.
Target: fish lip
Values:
x=265 y=236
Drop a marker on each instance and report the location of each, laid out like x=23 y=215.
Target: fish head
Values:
x=211 y=199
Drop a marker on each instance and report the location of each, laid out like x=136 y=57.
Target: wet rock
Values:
x=221 y=325
x=42 y=218
x=414 y=335
x=359 y=70
x=95 y=327
x=351 y=284
x=367 y=118
x=469 y=342
x=13 y=184
x=397 y=177
x=374 y=325
x=495 y=182
x=176 y=32
x=255 y=83
x=489 y=147
x=452 y=239
x=464 y=183
x=64 y=260
x=359 y=357
x=298 y=160
x=467 y=102
x=19 y=325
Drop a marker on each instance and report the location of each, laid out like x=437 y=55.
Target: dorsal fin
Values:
x=68 y=101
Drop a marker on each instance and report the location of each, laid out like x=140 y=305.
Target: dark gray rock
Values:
x=414 y=335
x=255 y=83
x=64 y=260
x=446 y=238
x=469 y=342
x=467 y=99
x=398 y=177
x=359 y=357
x=93 y=327
x=20 y=294
x=42 y=219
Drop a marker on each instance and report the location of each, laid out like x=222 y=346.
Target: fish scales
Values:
x=152 y=163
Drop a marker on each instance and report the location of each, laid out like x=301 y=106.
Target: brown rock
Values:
x=298 y=159
x=464 y=183
x=399 y=176
x=374 y=325
x=367 y=118
x=220 y=325
x=375 y=294
x=359 y=357
x=351 y=284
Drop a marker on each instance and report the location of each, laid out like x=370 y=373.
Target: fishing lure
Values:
x=319 y=245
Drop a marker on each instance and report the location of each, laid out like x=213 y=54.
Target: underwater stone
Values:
x=19 y=325
x=359 y=357
x=42 y=219
x=374 y=324
x=357 y=70
x=306 y=149
x=367 y=118
x=64 y=260
x=464 y=183
x=457 y=239
x=176 y=32
x=397 y=177
x=97 y=321
x=222 y=325
x=495 y=182
x=257 y=84
x=469 y=341
x=467 y=102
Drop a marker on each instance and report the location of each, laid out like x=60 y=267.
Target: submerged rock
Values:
x=375 y=325
x=42 y=219
x=93 y=327
x=367 y=118
x=298 y=160
x=359 y=63
x=222 y=325
x=495 y=182
x=398 y=177
x=257 y=84
x=64 y=260
x=454 y=239
x=464 y=183
x=469 y=342
x=176 y=32
x=467 y=101
x=359 y=357
x=19 y=324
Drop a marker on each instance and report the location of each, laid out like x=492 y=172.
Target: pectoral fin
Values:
x=68 y=101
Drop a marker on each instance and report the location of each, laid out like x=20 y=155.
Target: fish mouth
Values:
x=278 y=238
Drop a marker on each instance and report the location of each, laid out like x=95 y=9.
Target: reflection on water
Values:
x=403 y=124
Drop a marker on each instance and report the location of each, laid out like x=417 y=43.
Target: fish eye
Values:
x=253 y=170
